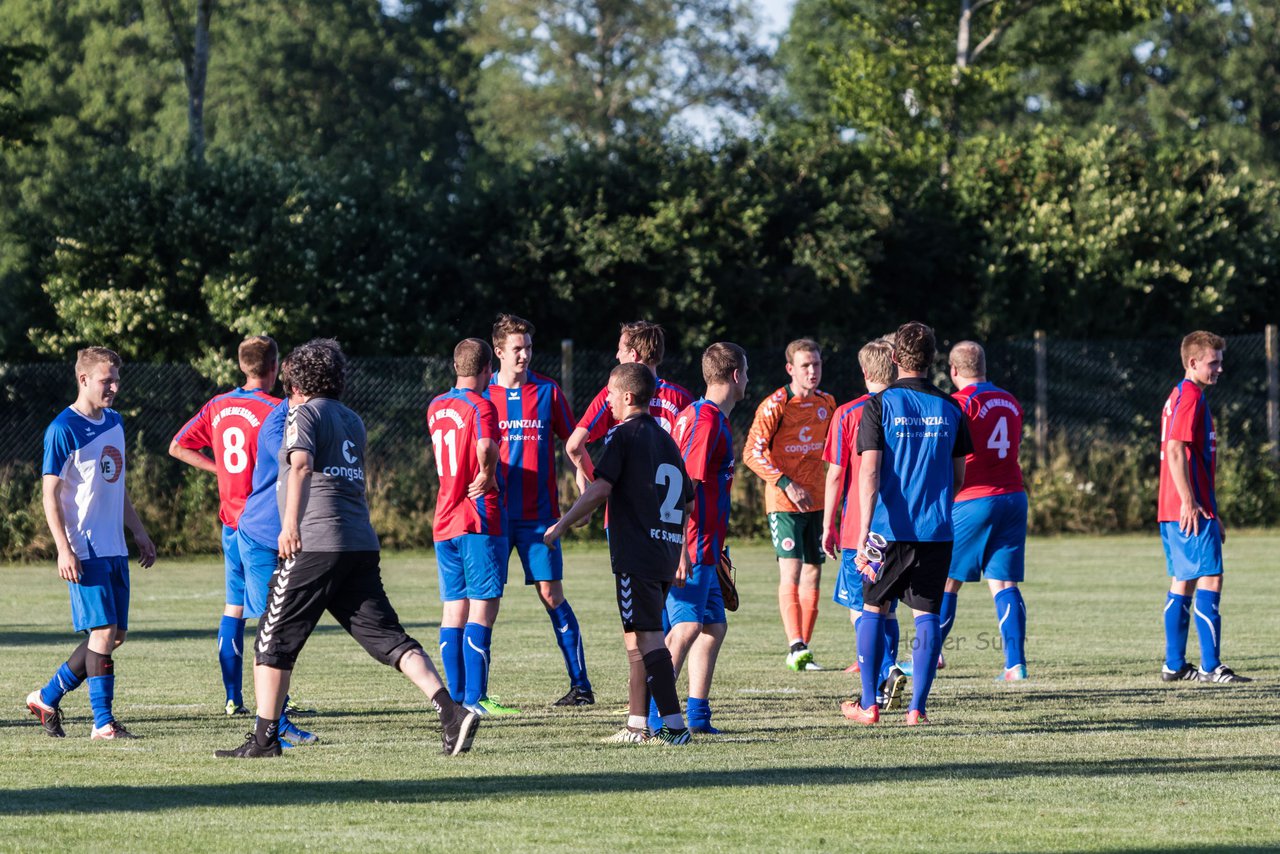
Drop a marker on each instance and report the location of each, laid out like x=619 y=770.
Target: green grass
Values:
x=1094 y=753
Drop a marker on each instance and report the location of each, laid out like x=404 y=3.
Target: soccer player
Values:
x=639 y=342
x=695 y=610
x=641 y=476
x=1190 y=527
x=257 y=536
x=532 y=414
x=331 y=556
x=470 y=532
x=784 y=448
x=990 y=514
x=913 y=441
x=87 y=508
x=840 y=515
x=228 y=426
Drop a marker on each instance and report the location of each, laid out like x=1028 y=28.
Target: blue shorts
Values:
x=540 y=562
x=1189 y=556
x=259 y=564
x=233 y=566
x=472 y=566
x=102 y=596
x=699 y=601
x=848 y=590
x=990 y=538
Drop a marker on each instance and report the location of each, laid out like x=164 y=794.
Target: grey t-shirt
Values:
x=335 y=516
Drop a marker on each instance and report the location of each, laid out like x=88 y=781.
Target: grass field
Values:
x=1093 y=754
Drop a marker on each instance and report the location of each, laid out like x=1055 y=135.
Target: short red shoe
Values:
x=916 y=718
x=854 y=712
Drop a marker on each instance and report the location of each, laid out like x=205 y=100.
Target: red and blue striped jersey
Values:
x=457 y=420
x=1186 y=418
x=530 y=419
x=668 y=401
x=228 y=425
x=841 y=450
x=706 y=446
x=995 y=425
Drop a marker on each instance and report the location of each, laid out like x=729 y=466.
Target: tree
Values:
x=17 y=121
x=917 y=75
x=193 y=52
x=560 y=73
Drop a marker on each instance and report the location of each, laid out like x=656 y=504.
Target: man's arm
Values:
x=832 y=494
x=575 y=448
x=759 y=455
x=596 y=493
x=68 y=563
x=192 y=457
x=297 y=488
x=146 y=548
x=868 y=492
x=1175 y=452
x=686 y=560
x=957 y=476
x=487 y=478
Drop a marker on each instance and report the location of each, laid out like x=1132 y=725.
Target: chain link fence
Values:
x=1093 y=390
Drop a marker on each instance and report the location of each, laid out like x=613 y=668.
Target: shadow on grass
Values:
x=160 y=798
x=21 y=636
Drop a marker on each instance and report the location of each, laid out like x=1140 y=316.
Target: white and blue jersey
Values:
x=88 y=456
x=920 y=430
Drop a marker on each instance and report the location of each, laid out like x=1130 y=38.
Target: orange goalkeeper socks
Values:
x=789 y=605
x=808 y=612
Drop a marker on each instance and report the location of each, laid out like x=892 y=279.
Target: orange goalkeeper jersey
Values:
x=786 y=441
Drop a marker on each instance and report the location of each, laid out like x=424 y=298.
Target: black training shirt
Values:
x=646 y=506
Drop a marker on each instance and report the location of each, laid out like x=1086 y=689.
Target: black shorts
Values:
x=641 y=602
x=916 y=573
x=347 y=585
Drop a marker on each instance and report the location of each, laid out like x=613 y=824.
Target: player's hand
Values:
x=550 y=536
x=682 y=571
x=482 y=484
x=290 y=543
x=69 y=567
x=829 y=544
x=799 y=497
x=146 y=550
x=1189 y=516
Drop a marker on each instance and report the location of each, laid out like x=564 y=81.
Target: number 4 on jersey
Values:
x=998 y=441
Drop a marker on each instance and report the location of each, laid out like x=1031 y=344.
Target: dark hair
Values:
x=316 y=369
x=914 y=346
x=471 y=357
x=509 y=324
x=720 y=360
x=637 y=379
x=647 y=339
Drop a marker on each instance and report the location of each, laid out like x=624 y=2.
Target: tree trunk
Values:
x=196 y=82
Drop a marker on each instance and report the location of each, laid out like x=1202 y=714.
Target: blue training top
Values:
x=920 y=430
x=260 y=521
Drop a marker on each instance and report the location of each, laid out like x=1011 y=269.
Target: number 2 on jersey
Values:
x=670 y=511
x=998 y=441
x=450 y=439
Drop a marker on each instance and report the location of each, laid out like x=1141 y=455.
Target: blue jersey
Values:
x=260 y=520
x=920 y=430
x=89 y=458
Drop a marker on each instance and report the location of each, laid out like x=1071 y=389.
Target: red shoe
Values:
x=942 y=662
x=915 y=718
x=853 y=668
x=854 y=712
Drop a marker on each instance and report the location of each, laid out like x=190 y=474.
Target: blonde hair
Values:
x=90 y=356
x=969 y=359
x=258 y=354
x=1199 y=341
x=876 y=360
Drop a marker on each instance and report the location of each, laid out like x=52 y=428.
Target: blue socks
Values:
x=698 y=711
x=231 y=657
x=1177 y=622
x=1011 y=615
x=63 y=682
x=1208 y=628
x=476 y=640
x=890 y=641
x=871 y=644
x=947 y=615
x=924 y=659
x=569 y=638
x=102 y=691
x=455 y=674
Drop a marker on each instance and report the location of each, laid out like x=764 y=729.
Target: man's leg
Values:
x=477 y=642
x=101 y=677
x=1011 y=617
x=544 y=568
x=1182 y=569
x=808 y=592
x=231 y=628
x=702 y=668
x=452 y=626
x=44 y=702
x=789 y=607
x=947 y=613
x=927 y=565
x=661 y=677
